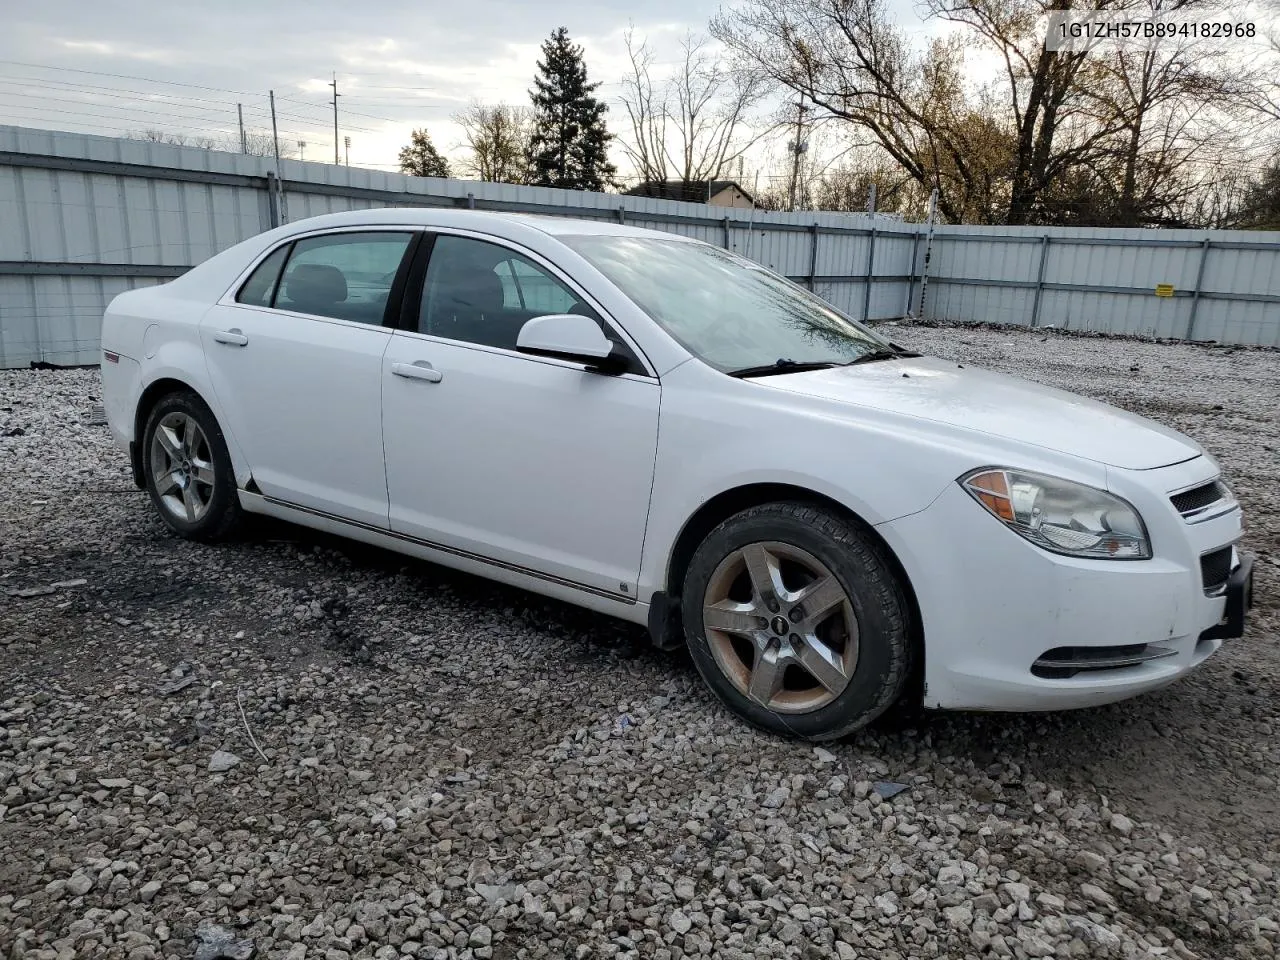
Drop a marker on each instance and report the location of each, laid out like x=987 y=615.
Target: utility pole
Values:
x=346 y=142
x=244 y=144
x=275 y=139
x=797 y=148
x=336 y=161
x=302 y=149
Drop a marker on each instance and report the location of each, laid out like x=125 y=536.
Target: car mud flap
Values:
x=664 y=622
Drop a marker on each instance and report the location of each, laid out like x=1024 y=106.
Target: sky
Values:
x=117 y=66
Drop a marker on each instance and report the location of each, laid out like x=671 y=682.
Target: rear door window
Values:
x=346 y=276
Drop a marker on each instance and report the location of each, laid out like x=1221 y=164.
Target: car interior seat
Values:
x=315 y=287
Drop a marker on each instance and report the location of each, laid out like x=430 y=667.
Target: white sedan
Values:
x=658 y=429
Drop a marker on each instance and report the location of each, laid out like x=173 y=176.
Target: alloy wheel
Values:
x=182 y=466
x=781 y=627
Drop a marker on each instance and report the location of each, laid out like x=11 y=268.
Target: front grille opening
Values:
x=1197 y=498
x=1061 y=663
x=1215 y=568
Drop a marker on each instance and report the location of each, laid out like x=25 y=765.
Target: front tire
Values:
x=188 y=471
x=796 y=621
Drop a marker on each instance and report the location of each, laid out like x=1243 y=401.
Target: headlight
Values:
x=1060 y=515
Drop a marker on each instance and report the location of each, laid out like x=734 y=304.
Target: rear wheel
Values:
x=188 y=470
x=796 y=620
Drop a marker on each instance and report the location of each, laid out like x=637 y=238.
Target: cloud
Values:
x=118 y=51
x=134 y=64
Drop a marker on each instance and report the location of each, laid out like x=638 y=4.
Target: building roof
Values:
x=695 y=192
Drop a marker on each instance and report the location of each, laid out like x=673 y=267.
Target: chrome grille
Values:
x=1215 y=568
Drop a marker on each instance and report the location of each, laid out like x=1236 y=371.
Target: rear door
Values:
x=295 y=358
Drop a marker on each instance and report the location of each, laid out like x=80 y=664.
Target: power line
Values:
x=111 y=106
x=149 y=98
x=119 y=122
x=95 y=88
x=123 y=76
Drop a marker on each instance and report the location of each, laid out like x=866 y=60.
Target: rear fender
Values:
x=181 y=364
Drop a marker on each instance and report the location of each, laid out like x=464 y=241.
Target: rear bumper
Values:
x=121 y=387
x=995 y=609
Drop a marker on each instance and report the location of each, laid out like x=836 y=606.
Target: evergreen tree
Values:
x=1260 y=209
x=421 y=158
x=569 y=144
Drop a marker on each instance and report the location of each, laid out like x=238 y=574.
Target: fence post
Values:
x=871 y=262
x=273 y=209
x=1044 y=258
x=726 y=233
x=1195 y=293
x=813 y=257
x=928 y=249
x=911 y=276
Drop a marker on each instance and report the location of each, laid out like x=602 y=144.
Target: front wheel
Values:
x=188 y=470
x=796 y=621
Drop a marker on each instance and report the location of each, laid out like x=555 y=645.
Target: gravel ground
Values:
x=298 y=747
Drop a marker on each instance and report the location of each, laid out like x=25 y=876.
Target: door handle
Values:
x=418 y=370
x=233 y=337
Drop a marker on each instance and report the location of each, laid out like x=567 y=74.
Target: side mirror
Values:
x=569 y=336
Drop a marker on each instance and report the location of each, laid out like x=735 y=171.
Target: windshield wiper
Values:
x=782 y=366
x=892 y=352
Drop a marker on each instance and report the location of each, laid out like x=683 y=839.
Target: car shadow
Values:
x=1152 y=755
x=602 y=636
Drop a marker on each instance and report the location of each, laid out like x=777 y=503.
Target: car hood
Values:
x=992 y=403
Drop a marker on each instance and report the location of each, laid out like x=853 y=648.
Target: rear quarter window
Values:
x=260 y=288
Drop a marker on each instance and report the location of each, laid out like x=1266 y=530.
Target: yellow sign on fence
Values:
x=1164 y=289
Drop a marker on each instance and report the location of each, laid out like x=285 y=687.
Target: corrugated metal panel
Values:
x=55 y=319
x=171 y=207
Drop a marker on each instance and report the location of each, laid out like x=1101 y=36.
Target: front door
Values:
x=296 y=364
x=535 y=463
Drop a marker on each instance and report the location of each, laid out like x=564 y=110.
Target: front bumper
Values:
x=993 y=605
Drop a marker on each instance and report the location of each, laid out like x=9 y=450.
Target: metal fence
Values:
x=83 y=218
x=1221 y=285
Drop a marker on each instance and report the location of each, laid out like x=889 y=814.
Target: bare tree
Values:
x=1054 y=136
x=173 y=138
x=498 y=138
x=694 y=125
x=1174 y=111
x=258 y=143
x=846 y=186
x=991 y=155
x=1261 y=96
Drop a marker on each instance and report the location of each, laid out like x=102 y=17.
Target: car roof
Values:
x=484 y=220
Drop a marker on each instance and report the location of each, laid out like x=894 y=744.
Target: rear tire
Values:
x=188 y=471
x=797 y=621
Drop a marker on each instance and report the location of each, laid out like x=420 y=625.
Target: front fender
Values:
x=717 y=435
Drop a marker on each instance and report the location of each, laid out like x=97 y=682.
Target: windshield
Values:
x=727 y=311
